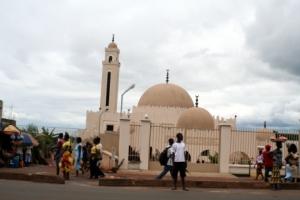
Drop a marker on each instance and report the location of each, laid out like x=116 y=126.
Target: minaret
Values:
x=110 y=78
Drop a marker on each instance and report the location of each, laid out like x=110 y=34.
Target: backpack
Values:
x=84 y=153
x=163 y=156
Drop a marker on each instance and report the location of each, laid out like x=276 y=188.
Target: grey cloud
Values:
x=275 y=34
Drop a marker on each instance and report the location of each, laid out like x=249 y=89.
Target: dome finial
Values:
x=113 y=38
x=197 y=101
x=167 y=76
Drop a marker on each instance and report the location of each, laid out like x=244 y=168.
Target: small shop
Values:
x=16 y=147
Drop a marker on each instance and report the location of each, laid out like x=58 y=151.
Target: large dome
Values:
x=167 y=95
x=196 y=118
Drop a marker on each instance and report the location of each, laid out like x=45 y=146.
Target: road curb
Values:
x=41 y=178
x=192 y=184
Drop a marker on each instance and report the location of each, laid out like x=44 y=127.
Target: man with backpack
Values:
x=165 y=159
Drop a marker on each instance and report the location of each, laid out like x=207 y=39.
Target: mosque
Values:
x=164 y=103
x=168 y=108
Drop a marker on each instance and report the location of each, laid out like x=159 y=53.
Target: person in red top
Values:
x=268 y=161
x=58 y=151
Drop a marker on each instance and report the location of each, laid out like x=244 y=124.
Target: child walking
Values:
x=259 y=164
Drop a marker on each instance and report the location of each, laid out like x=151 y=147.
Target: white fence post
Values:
x=225 y=131
x=144 y=144
x=124 y=139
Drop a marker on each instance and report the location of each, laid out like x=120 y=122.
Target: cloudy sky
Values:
x=241 y=57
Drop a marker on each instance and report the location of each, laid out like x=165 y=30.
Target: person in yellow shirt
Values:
x=67 y=159
x=95 y=160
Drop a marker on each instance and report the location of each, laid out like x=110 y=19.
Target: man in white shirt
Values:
x=179 y=164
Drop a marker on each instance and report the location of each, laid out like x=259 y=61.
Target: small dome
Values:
x=112 y=45
x=196 y=118
x=167 y=95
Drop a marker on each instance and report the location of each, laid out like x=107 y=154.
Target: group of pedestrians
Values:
x=84 y=158
x=176 y=161
x=271 y=161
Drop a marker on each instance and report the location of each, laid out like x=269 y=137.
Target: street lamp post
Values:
x=131 y=87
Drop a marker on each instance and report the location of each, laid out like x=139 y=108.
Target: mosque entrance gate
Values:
x=202 y=146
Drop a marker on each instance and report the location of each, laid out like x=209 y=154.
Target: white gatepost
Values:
x=124 y=139
x=224 y=148
x=144 y=144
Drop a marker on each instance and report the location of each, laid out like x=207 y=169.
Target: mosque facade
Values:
x=164 y=103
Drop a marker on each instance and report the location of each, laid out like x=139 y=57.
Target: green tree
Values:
x=46 y=139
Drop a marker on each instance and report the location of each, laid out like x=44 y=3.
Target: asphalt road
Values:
x=16 y=190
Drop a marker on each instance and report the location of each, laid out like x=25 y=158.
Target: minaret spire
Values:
x=113 y=38
x=167 y=76
x=197 y=101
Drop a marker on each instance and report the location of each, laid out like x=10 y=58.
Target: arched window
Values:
x=110 y=59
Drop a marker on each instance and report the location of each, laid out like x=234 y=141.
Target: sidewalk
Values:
x=193 y=180
x=35 y=173
x=138 y=178
x=201 y=180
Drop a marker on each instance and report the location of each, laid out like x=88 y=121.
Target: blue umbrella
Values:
x=27 y=139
